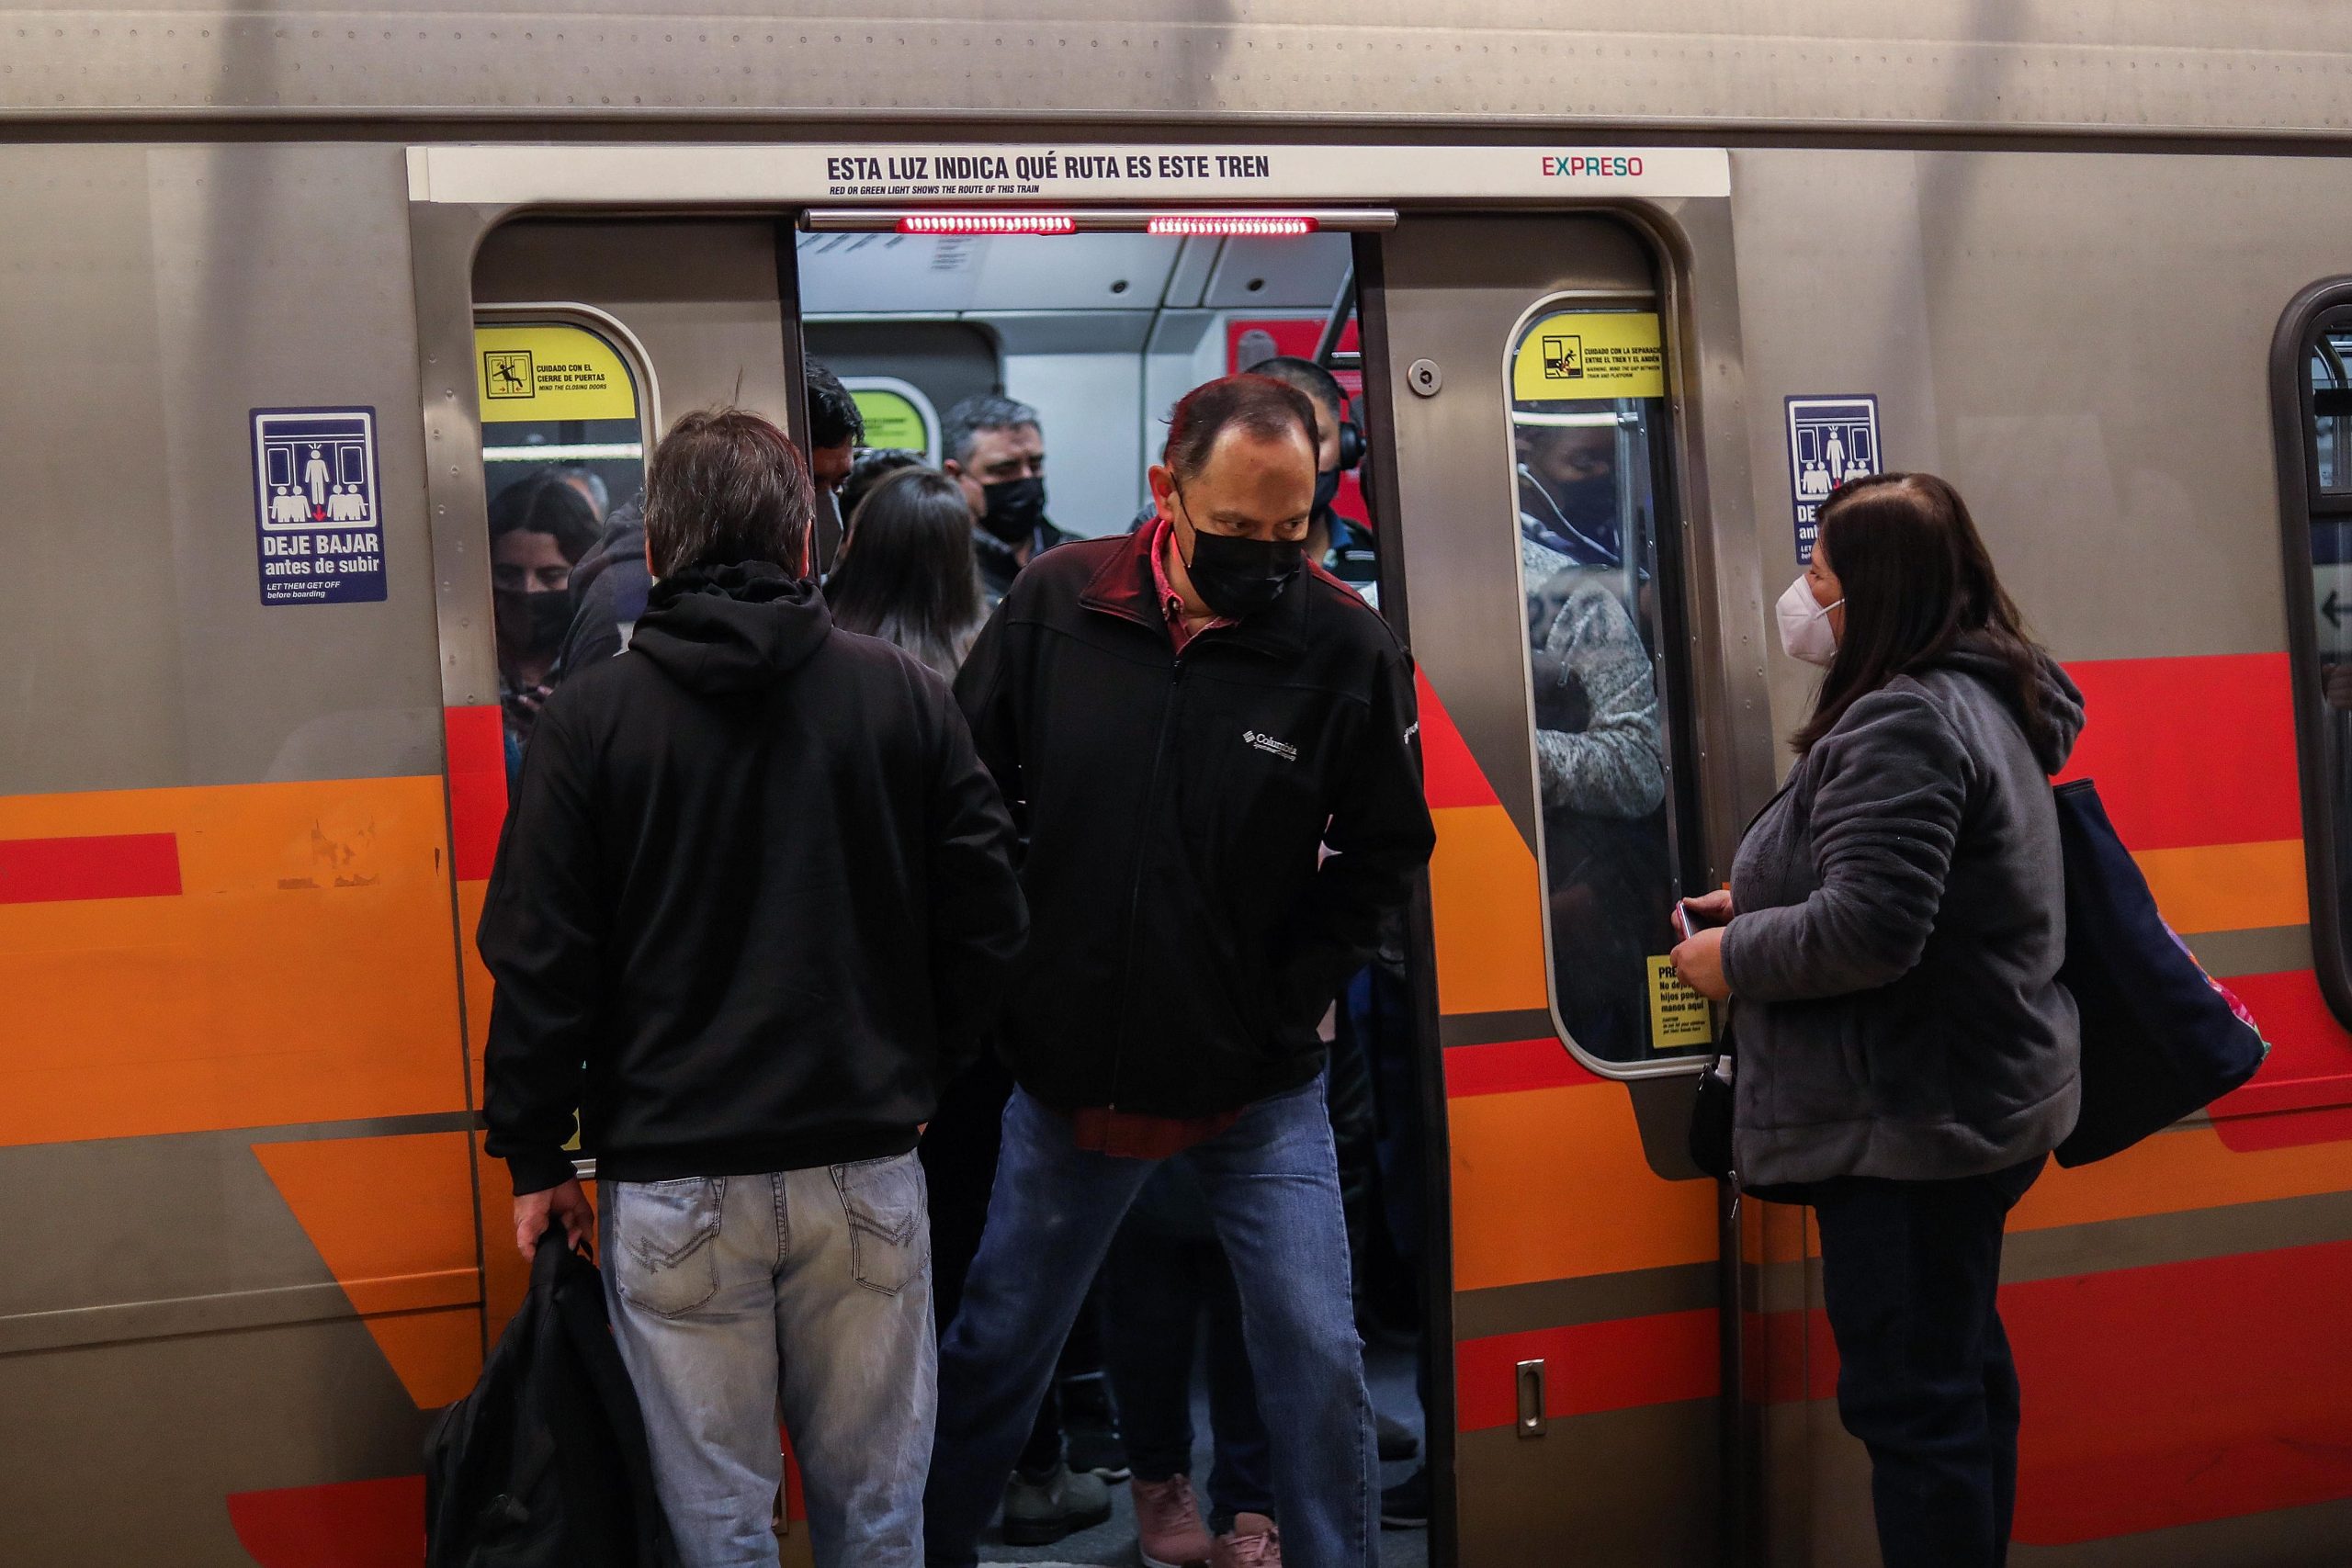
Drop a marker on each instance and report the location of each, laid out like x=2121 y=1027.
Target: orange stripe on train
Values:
x=303 y=974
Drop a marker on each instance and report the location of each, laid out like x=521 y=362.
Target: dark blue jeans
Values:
x=1273 y=1187
x=1166 y=1271
x=1910 y=1272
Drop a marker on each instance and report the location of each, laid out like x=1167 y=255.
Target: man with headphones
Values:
x=1340 y=546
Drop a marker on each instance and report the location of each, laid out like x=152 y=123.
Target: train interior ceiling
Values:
x=1101 y=333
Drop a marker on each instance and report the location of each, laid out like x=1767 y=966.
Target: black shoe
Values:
x=1091 y=1428
x=1406 y=1505
x=1396 y=1439
x=1041 y=1512
x=1093 y=1452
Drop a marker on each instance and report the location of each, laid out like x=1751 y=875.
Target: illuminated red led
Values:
x=1267 y=224
x=987 y=223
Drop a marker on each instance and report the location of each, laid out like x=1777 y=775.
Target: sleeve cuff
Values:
x=538 y=1170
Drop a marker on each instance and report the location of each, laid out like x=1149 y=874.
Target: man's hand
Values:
x=534 y=1211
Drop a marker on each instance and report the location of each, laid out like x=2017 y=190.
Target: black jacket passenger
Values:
x=1187 y=941
x=753 y=902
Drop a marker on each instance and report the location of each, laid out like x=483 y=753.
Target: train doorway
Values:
x=592 y=334
x=1080 y=344
x=1539 y=1275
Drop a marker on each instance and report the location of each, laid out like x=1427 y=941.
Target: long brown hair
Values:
x=906 y=573
x=1917 y=580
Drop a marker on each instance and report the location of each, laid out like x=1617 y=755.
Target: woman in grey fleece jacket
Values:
x=1905 y=1058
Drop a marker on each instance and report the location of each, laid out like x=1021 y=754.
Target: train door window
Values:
x=2315 y=452
x=565 y=407
x=1587 y=391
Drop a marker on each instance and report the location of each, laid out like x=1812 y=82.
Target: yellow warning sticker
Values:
x=1679 y=1017
x=533 y=374
x=890 y=419
x=1590 y=353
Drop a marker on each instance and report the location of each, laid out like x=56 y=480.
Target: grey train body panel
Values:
x=2174 y=67
x=2055 y=255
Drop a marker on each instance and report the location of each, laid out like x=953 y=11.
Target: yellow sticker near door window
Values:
x=1679 y=1016
x=534 y=374
x=1590 y=353
x=891 y=419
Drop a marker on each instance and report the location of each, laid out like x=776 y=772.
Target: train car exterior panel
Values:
x=2174 y=66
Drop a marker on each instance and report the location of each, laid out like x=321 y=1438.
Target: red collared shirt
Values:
x=1182 y=629
x=1124 y=1134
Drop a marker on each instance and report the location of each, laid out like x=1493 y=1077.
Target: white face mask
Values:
x=1806 y=632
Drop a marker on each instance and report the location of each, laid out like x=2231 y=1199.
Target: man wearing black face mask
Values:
x=996 y=451
x=1183 y=720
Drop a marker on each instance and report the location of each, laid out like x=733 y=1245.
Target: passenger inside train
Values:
x=539 y=528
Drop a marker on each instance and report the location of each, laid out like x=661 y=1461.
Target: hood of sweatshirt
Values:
x=2057 y=717
x=731 y=629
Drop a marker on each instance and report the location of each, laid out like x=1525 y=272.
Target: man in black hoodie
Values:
x=754 y=904
x=1210 y=746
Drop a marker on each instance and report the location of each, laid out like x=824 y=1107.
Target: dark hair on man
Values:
x=984 y=411
x=833 y=418
x=726 y=486
x=1309 y=378
x=869 y=468
x=907 y=574
x=1917 y=578
x=1266 y=407
x=545 y=501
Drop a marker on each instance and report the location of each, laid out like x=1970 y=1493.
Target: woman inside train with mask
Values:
x=1904 y=1057
x=539 y=527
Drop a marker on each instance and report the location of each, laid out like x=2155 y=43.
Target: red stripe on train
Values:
x=2190 y=752
x=354 y=1524
x=1589 y=1367
x=2153 y=1397
x=1450 y=775
x=1508 y=1065
x=2310 y=1055
x=476 y=739
x=110 y=865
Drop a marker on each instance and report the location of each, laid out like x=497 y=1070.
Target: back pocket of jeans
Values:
x=665 y=1233
x=883 y=1200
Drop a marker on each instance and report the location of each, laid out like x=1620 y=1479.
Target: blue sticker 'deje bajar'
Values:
x=1831 y=440
x=318 y=515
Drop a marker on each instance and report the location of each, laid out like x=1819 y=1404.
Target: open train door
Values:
x=1554 y=404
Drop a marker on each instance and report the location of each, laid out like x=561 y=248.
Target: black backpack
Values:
x=544 y=1464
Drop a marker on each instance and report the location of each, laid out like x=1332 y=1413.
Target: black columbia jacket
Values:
x=1186 y=939
x=753 y=902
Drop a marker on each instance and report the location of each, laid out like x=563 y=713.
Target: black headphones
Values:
x=1351 y=442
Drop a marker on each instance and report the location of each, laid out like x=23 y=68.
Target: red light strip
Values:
x=987 y=223
x=1268 y=224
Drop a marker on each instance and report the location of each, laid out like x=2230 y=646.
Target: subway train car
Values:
x=288 y=292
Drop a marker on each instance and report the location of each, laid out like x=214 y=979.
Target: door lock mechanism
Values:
x=1424 y=377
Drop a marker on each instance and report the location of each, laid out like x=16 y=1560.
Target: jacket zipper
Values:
x=1143 y=857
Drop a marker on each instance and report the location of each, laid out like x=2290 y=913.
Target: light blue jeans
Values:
x=1273 y=1189
x=727 y=1293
